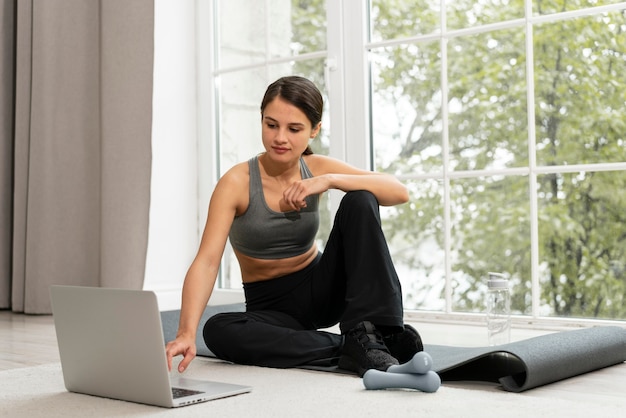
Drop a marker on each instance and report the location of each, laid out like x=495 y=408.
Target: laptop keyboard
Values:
x=180 y=392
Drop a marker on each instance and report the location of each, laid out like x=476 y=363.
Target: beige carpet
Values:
x=39 y=392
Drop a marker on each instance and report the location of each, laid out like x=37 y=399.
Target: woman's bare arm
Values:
x=330 y=173
x=202 y=273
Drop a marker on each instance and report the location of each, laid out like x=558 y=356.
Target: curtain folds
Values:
x=79 y=151
x=7 y=82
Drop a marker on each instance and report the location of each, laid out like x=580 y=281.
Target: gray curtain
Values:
x=76 y=113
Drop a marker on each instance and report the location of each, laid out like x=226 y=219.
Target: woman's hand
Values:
x=294 y=196
x=181 y=345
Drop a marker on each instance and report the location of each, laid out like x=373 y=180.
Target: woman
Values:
x=268 y=207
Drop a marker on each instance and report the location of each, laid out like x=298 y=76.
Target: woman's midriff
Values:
x=256 y=269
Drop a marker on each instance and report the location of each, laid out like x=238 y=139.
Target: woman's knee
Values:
x=358 y=204
x=218 y=331
x=359 y=198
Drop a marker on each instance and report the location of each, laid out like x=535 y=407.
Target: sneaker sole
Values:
x=347 y=363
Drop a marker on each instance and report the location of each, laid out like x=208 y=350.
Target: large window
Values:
x=504 y=118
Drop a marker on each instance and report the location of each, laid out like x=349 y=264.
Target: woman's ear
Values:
x=316 y=131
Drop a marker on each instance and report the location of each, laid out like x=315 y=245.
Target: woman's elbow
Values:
x=402 y=195
x=395 y=196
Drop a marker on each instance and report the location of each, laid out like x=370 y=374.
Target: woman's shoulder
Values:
x=231 y=190
x=316 y=160
x=237 y=175
x=322 y=164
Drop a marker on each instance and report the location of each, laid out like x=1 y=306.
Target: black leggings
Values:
x=352 y=281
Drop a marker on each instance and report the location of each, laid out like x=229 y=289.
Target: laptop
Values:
x=111 y=345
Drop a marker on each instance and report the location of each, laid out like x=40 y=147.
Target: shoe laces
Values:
x=370 y=338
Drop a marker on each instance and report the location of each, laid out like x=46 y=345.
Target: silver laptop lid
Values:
x=111 y=345
x=109 y=342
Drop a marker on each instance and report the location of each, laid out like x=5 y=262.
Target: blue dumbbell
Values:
x=375 y=379
x=421 y=363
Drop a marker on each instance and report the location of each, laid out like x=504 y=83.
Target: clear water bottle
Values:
x=498 y=310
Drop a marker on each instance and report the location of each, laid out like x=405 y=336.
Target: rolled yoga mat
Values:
x=518 y=366
x=534 y=362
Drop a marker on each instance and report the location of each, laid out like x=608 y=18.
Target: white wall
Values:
x=173 y=231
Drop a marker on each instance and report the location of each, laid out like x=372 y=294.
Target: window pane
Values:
x=243 y=39
x=397 y=19
x=416 y=240
x=487 y=106
x=406 y=108
x=580 y=85
x=541 y=7
x=240 y=116
x=490 y=232
x=250 y=32
x=308 y=20
x=466 y=13
x=582 y=244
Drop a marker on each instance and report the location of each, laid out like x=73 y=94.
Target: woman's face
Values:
x=286 y=130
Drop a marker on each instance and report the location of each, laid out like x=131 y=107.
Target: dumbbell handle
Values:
x=375 y=379
x=421 y=363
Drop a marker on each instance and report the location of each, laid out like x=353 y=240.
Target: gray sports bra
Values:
x=261 y=232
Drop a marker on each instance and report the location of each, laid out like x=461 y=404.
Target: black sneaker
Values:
x=364 y=349
x=405 y=344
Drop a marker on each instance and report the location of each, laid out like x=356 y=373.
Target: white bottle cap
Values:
x=497 y=281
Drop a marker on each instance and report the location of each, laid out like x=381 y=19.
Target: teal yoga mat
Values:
x=518 y=366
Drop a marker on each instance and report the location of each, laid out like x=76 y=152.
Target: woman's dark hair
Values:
x=301 y=93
